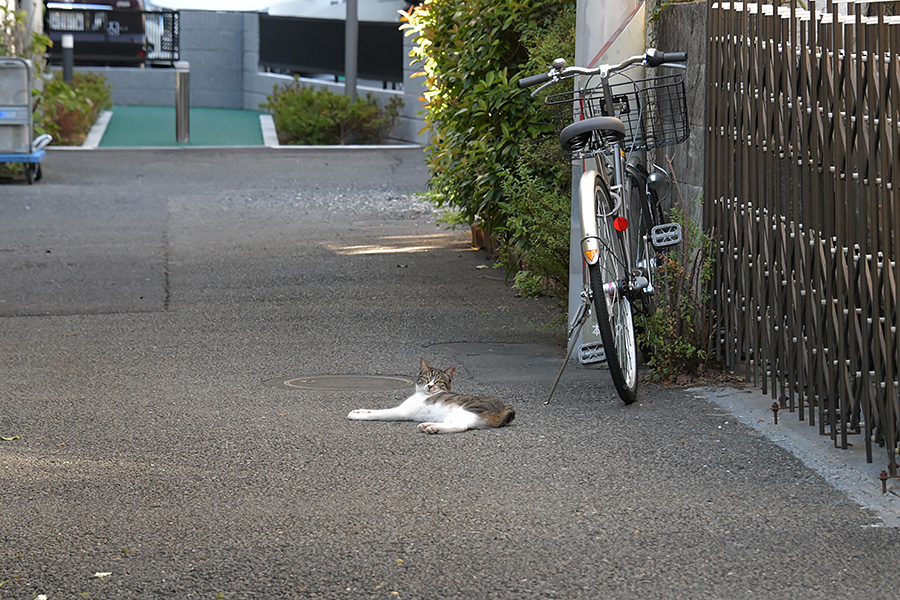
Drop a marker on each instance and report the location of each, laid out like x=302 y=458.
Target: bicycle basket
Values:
x=653 y=110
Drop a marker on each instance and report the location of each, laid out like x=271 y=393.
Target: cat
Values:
x=438 y=410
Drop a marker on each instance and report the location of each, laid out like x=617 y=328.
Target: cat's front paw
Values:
x=429 y=428
x=360 y=414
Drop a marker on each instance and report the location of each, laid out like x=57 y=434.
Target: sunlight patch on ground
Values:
x=404 y=244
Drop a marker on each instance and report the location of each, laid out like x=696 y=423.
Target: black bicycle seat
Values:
x=577 y=136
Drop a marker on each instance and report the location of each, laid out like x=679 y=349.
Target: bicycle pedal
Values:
x=591 y=353
x=665 y=235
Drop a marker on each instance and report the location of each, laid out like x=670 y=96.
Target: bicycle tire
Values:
x=611 y=303
x=643 y=251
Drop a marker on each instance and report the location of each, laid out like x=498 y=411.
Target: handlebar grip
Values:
x=657 y=58
x=534 y=80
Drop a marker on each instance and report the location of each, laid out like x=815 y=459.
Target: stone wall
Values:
x=681 y=26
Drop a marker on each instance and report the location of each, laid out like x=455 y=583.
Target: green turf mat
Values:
x=155 y=126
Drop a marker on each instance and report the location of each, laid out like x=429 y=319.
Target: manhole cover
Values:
x=347 y=383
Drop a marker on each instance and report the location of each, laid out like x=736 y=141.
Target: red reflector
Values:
x=621 y=223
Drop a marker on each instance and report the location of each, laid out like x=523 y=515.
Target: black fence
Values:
x=316 y=46
x=801 y=197
x=114 y=37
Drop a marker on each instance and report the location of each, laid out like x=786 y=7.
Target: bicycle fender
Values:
x=590 y=241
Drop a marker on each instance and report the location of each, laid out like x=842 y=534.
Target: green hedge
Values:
x=491 y=155
x=304 y=115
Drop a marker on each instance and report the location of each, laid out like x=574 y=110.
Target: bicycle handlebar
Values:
x=650 y=58
x=534 y=80
x=656 y=58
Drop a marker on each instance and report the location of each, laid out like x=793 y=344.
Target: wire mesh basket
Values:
x=653 y=110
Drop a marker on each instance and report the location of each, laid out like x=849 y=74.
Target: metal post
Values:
x=68 y=57
x=182 y=101
x=351 y=48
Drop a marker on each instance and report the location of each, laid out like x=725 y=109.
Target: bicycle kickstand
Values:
x=584 y=310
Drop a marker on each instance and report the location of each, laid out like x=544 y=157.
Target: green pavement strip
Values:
x=135 y=126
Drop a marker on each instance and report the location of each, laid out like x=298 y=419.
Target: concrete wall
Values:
x=223 y=51
x=596 y=29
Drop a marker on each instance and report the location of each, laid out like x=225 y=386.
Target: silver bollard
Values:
x=182 y=101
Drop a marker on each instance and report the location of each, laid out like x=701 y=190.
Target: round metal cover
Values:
x=348 y=383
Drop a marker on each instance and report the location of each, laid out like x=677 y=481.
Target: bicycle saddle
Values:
x=577 y=136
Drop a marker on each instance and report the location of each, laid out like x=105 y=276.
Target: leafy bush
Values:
x=490 y=156
x=67 y=111
x=304 y=115
x=537 y=207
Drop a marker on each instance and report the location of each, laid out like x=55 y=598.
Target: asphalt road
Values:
x=154 y=303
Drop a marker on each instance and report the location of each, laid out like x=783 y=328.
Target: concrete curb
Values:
x=846 y=470
x=95 y=135
x=270 y=136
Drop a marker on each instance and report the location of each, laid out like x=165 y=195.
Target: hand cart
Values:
x=17 y=141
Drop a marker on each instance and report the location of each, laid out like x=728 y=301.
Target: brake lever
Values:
x=537 y=90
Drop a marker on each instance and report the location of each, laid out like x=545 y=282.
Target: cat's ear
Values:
x=450 y=372
x=423 y=366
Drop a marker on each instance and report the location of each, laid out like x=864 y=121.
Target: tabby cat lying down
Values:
x=438 y=410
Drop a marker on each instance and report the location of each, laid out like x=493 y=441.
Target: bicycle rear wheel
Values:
x=609 y=280
x=644 y=203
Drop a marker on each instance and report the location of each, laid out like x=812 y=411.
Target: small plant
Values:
x=67 y=111
x=304 y=115
x=529 y=284
x=14 y=37
x=679 y=333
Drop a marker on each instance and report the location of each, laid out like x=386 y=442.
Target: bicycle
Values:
x=622 y=227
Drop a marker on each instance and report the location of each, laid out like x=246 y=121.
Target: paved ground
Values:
x=154 y=303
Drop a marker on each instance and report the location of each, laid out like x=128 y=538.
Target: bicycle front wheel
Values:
x=609 y=280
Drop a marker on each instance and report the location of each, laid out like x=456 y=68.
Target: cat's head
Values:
x=432 y=380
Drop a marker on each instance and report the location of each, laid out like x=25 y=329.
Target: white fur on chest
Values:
x=418 y=409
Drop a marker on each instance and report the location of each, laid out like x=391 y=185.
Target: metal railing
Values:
x=802 y=164
x=307 y=46
x=114 y=37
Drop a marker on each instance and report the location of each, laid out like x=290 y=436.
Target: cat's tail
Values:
x=506 y=417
